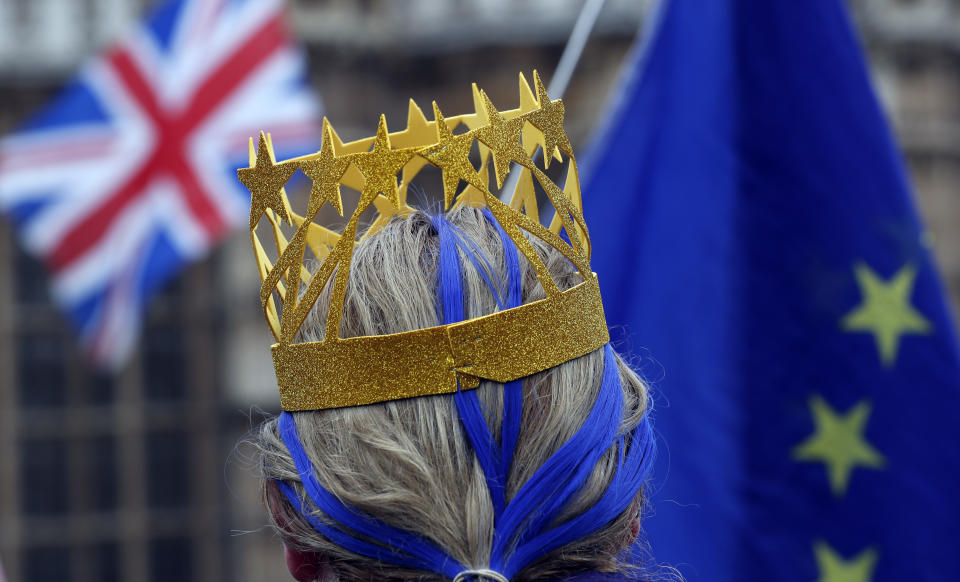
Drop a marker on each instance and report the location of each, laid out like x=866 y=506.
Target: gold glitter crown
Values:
x=502 y=346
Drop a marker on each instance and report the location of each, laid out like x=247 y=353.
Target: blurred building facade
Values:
x=914 y=49
x=127 y=477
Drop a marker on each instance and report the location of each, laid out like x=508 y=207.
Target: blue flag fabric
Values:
x=754 y=233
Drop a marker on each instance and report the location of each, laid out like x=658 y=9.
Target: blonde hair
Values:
x=409 y=463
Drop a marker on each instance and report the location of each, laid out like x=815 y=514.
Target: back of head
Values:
x=533 y=480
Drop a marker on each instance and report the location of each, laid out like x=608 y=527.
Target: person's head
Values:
x=533 y=479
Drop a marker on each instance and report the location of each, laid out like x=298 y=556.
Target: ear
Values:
x=304 y=566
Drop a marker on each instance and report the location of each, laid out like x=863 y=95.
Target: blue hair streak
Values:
x=450 y=291
x=524 y=531
x=558 y=480
x=634 y=463
x=512 y=391
x=400 y=547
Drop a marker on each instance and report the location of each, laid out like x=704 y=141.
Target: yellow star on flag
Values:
x=833 y=568
x=885 y=310
x=838 y=442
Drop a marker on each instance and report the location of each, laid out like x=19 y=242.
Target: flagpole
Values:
x=574 y=48
x=563 y=73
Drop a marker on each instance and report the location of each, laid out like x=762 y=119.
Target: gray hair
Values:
x=408 y=463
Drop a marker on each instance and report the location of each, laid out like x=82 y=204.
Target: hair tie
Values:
x=482 y=573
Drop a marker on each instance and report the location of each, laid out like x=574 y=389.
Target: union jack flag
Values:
x=131 y=172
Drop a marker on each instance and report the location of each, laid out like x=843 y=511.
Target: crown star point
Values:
x=537 y=81
x=885 y=310
x=443 y=130
x=528 y=101
x=839 y=443
x=265 y=179
x=834 y=568
x=383 y=134
x=479 y=109
x=335 y=141
x=416 y=120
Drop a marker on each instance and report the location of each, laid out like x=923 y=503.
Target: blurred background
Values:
x=135 y=475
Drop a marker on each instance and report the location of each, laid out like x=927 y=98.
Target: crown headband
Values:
x=502 y=346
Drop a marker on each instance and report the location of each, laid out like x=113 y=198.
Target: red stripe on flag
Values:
x=168 y=157
x=14 y=160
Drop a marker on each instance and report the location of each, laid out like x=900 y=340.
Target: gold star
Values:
x=549 y=120
x=379 y=168
x=838 y=442
x=326 y=170
x=833 y=568
x=502 y=136
x=452 y=156
x=886 y=311
x=265 y=178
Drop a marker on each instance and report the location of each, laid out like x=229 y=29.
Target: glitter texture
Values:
x=500 y=347
x=266 y=177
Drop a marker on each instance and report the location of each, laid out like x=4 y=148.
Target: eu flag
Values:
x=754 y=233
